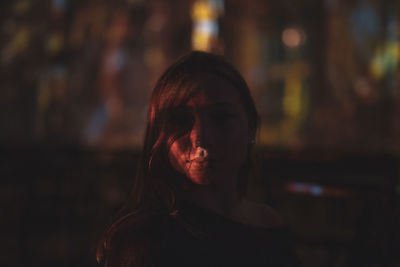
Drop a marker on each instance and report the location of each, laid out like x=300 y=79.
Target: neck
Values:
x=222 y=201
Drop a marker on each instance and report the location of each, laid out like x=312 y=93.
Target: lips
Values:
x=202 y=163
x=199 y=161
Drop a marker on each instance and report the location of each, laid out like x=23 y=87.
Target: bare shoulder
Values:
x=261 y=215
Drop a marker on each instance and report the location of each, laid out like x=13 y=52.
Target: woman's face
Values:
x=217 y=123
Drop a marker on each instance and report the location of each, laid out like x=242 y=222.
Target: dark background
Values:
x=57 y=202
x=75 y=77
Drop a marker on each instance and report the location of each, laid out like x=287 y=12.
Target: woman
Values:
x=188 y=205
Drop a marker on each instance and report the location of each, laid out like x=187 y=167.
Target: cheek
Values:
x=236 y=150
x=234 y=145
x=177 y=156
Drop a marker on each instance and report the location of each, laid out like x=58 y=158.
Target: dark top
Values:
x=198 y=237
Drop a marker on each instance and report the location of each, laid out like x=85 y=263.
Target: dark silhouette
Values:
x=188 y=206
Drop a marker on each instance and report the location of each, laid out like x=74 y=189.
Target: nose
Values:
x=200 y=133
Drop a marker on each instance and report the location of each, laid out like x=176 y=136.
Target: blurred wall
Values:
x=324 y=73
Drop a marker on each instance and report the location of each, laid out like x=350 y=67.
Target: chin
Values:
x=200 y=180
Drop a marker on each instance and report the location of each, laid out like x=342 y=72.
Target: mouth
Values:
x=200 y=166
x=202 y=163
x=198 y=161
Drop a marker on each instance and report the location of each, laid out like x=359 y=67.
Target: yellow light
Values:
x=200 y=41
x=21 y=40
x=205 y=24
x=203 y=11
x=386 y=59
x=292 y=97
x=55 y=43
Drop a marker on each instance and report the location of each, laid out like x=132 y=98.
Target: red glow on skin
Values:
x=220 y=124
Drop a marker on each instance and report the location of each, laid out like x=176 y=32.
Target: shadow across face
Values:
x=213 y=133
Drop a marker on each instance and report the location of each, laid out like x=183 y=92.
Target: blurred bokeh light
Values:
x=324 y=75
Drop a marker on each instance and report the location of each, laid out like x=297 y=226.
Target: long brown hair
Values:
x=157 y=185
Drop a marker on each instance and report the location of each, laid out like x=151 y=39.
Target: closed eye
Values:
x=223 y=117
x=181 y=117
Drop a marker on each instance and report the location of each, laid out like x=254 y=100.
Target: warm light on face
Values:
x=216 y=144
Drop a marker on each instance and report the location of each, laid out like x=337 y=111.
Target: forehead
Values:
x=215 y=90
